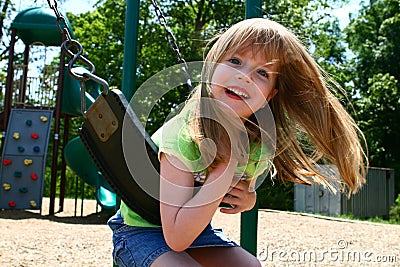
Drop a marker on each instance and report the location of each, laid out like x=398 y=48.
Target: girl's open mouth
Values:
x=236 y=94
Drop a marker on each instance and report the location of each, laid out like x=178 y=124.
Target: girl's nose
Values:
x=243 y=77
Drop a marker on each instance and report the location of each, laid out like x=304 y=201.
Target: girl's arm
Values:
x=183 y=215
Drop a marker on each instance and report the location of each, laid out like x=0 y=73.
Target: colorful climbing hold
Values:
x=34 y=135
x=7 y=161
x=23 y=190
x=33 y=204
x=6 y=187
x=16 y=135
x=28 y=122
x=28 y=162
x=11 y=204
x=36 y=149
x=17 y=174
x=33 y=176
x=21 y=149
x=43 y=118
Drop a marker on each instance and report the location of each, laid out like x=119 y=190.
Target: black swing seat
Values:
x=102 y=134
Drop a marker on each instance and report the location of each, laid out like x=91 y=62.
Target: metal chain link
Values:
x=74 y=50
x=60 y=20
x=72 y=47
x=172 y=42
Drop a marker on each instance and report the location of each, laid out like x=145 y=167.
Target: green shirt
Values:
x=174 y=139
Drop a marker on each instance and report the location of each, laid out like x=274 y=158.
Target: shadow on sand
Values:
x=94 y=218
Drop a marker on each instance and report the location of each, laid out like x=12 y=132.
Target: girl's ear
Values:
x=272 y=94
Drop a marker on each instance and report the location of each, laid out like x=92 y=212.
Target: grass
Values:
x=373 y=219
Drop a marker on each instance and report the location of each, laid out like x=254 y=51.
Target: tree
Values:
x=7 y=7
x=374 y=38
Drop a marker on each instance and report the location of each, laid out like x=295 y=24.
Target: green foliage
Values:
x=374 y=38
x=274 y=194
x=373 y=219
x=72 y=186
x=101 y=33
x=395 y=211
x=378 y=114
x=7 y=9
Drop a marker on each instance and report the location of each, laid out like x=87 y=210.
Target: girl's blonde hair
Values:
x=304 y=104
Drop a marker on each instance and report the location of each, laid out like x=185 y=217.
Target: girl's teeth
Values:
x=239 y=93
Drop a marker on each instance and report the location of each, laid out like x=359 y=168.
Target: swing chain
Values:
x=74 y=50
x=60 y=20
x=172 y=42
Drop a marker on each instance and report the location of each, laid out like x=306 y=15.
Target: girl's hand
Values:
x=240 y=198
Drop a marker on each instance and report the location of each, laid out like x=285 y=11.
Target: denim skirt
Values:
x=140 y=246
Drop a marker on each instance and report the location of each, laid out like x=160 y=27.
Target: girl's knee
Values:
x=255 y=263
x=248 y=260
x=172 y=258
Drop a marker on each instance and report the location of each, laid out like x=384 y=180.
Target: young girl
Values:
x=254 y=67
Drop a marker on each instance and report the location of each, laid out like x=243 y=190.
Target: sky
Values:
x=343 y=13
x=82 y=6
x=73 y=6
x=78 y=6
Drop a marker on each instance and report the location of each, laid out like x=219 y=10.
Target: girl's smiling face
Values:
x=244 y=81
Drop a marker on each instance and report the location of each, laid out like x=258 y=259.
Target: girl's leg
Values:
x=176 y=259
x=224 y=256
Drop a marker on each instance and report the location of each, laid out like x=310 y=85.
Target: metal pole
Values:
x=57 y=118
x=9 y=82
x=22 y=90
x=253 y=9
x=249 y=219
x=130 y=48
x=63 y=176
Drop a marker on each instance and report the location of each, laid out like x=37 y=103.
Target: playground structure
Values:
x=29 y=106
x=253 y=9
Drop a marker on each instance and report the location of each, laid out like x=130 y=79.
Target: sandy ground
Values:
x=29 y=238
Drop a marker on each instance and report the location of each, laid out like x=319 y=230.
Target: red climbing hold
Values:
x=7 y=161
x=34 y=135
x=33 y=176
x=11 y=204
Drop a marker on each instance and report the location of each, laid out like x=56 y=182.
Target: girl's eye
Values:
x=234 y=61
x=263 y=73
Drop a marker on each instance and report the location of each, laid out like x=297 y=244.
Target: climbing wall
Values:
x=24 y=159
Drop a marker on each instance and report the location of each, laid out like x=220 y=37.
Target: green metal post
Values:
x=249 y=219
x=248 y=230
x=253 y=9
x=130 y=48
x=130 y=58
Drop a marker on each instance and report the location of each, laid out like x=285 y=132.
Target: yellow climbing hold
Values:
x=28 y=162
x=16 y=135
x=33 y=204
x=7 y=187
x=43 y=118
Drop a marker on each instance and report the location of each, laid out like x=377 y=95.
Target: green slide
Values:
x=75 y=153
